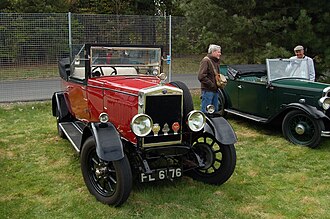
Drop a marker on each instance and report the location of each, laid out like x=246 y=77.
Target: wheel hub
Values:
x=100 y=171
x=206 y=155
x=300 y=129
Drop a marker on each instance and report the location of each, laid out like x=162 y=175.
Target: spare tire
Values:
x=188 y=104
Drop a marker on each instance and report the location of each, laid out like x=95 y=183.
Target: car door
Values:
x=76 y=90
x=232 y=90
x=254 y=98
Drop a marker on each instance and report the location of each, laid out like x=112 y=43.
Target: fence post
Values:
x=170 y=50
x=70 y=36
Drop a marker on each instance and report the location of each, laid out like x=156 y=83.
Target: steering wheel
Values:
x=97 y=73
x=114 y=72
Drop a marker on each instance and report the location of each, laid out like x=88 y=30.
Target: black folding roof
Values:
x=246 y=69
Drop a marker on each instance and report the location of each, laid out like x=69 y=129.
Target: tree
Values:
x=41 y=6
x=5 y=5
x=258 y=29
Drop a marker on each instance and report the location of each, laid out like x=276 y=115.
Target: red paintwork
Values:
x=115 y=95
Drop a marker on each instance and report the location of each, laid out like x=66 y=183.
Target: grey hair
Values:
x=213 y=47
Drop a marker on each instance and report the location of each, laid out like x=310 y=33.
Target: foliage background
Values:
x=250 y=30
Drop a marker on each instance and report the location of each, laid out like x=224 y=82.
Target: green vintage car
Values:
x=279 y=92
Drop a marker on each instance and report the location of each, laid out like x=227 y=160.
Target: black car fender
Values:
x=226 y=98
x=311 y=110
x=221 y=129
x=60 y=107
x=109 y=146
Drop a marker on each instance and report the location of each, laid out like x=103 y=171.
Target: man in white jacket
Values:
x=300 y=54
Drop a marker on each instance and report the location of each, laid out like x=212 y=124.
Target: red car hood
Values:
x=131 y=84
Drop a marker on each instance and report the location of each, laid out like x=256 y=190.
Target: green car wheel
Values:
x=301 y=128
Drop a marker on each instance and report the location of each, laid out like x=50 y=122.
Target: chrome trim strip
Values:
x=68 y=136
x=118 y=91
x=257 y=119
x=161 y=143
x=58 y=104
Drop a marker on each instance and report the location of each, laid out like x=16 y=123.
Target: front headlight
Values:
x=155 y=71
x=196 y=120
x=141 y=125
x=326 y=91
x=325 y=103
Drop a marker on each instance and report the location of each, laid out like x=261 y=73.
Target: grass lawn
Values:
x=41 y=177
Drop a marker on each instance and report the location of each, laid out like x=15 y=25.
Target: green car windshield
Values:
x=287 y=68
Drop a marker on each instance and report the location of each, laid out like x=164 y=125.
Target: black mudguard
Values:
x=60 y=107
x=109 y=146
x=221 y=129
x=311 y=110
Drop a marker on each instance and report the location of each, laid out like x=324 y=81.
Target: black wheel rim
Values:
x=307 y=125
x=102 y=175
x=210 y=152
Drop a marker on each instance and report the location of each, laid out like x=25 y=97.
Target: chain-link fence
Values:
x=32 y=44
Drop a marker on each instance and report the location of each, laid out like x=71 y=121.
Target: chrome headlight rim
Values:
x=136 y=125
x=210 y=109
x=193 y=124
x=324 y=102
x=162 y=76
x=326 y=91
x=155 y=71
x=104 y=117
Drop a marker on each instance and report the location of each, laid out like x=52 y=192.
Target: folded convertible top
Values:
x=247 y=69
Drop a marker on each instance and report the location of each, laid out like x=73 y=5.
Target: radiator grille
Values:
x=164 y=109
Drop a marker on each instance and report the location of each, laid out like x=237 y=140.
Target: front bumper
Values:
x=325 y=133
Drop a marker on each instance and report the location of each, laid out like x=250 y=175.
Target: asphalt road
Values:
x=43 y=89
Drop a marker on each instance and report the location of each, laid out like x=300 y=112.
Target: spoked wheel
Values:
x=300 y=128
x=218 y=160
x=109 y=182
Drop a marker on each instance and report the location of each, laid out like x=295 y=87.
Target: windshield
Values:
x=108 y=61
x=287 y=68
x=145 y=60
x=125 y=56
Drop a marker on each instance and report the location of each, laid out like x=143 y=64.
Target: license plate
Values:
x=161 y=174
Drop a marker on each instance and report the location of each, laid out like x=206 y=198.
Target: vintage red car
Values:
x=127 y=123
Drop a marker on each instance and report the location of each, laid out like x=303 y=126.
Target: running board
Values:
x=248 y=116
x=325 y=133
x=73 y=133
